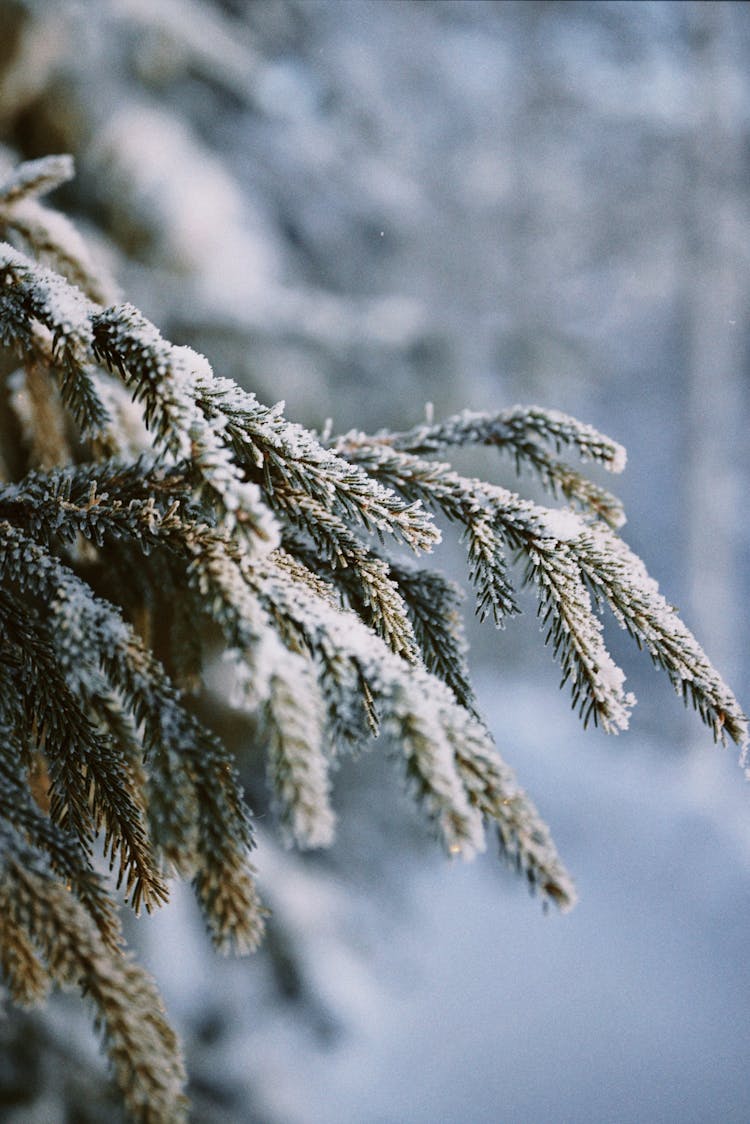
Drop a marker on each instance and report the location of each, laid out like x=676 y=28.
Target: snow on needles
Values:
x=562 y=524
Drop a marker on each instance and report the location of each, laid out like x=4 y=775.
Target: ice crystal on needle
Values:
x=151 y=489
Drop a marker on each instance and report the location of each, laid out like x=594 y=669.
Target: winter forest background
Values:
x=361 y=207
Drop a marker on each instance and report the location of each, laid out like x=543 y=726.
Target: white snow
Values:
x=562 y=524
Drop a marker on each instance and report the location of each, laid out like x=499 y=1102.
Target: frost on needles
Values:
x=135 y=479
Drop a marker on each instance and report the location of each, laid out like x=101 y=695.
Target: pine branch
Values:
x=298 y=770
x=433 y=603
x=522 y=432
x=61 y=850
x=557 y=562
x=36 y=177
x=24 y=975
x=511 y=429
x=361 y=575
x=560 y=479
x=417 y=711
x=47 y=234
x=621 y=577
x=107 y=501
x=91 y=785
x=523 y=835
x=167 y=380
x=463 y=501
x=199 y=506
x=33 y=298
x=142 y=1047
x=290 y=457
x=200 y=417
x=209 y=827
x=67 y=502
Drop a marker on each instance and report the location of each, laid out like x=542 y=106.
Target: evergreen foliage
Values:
x=143 y=498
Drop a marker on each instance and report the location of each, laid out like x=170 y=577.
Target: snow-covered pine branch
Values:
x=47 y=938
x=153 y=504
x=564 y=554
x=523 y=432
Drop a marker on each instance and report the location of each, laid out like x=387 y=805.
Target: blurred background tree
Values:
x=360 y=207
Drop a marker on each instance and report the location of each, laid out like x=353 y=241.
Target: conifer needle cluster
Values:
x=144 y=497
